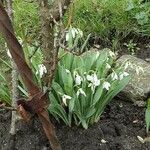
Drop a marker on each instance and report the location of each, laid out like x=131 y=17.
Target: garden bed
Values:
x=119 y=127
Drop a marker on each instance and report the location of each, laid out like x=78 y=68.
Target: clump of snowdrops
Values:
x=84 y=85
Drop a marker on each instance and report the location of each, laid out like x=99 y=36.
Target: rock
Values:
x=147 y=59
x=138 y=89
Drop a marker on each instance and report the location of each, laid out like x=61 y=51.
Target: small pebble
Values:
x=103 y=141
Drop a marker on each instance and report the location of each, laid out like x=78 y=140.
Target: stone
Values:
x=138 y=89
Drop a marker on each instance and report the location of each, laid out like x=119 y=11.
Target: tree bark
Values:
x=47 y=14
x=15 y=92
x=14 y=76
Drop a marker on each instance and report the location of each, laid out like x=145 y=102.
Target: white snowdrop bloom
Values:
x=114 y=76
x=78 y=79
x=122 y=75
x=8 y=53
x=42 y=70
x=108 y=66
x=67 y=36
x=74 y=32
x=65 y=98
x=92 y=87
x=97 y=54
x=94 y=81
x=89 y=78
x=79 y=32
x=112 y=54
x=20 y=40
x=80 y=91
x=107 y=59
x=106 y=85
x=67 y=71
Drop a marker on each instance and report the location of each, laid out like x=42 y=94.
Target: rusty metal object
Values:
x=38 y=101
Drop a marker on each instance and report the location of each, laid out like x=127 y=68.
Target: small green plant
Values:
x=132 y=47
x=84 y=85
x=4 y=90
x=147 y=116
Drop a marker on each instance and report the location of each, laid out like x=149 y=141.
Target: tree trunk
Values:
x=15 y=91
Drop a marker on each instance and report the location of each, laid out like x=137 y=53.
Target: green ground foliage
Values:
x=112 y=19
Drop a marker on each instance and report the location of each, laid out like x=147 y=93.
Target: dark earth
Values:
x=119 y=126
x=117 y=129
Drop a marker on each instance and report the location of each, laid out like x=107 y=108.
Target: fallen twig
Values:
x=3 y=107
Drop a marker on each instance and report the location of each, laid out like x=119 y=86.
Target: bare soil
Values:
x=119 y=126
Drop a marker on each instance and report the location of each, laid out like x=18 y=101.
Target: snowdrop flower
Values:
x=20 y=40
x=94 y=81
x=65 y=98
x=106 y=85
x=122 y=75
x=8 y=53
x=80 y=91
x=74 y=32
x=112 y=54
x=108 y=66
x=42 y=70
x=67 y=71
x=114 y=76
x=97 y=54
x=78 y=79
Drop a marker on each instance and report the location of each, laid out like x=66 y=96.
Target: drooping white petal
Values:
x=97 y=54
x=80 y=32
x=80 y=91
x=74 y=32
x=8 y=53
x=65 y=98
x=108 y=66
x=122 y=75
x=67 y=71
x=78 y=79
x=112 y=54
x=94 y=81
x=114 y=76
x=106 y=85
x=89 y=78
x=67 y=36
x=97 y=83
x=41 y=70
